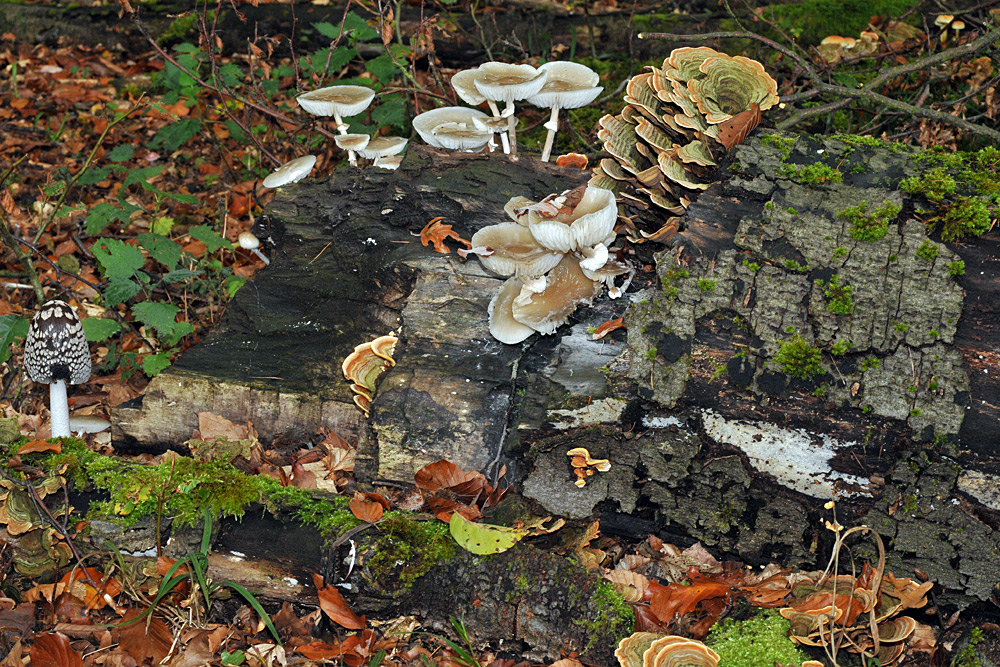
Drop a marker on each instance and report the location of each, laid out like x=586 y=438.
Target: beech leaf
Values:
x=52 y=649
x=368 y=511
x=436 y=232
x=735 y=130
x=482 y=539
x=335 y=606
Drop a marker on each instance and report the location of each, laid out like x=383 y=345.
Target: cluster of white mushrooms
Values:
x=554 y=85
x=556 y=254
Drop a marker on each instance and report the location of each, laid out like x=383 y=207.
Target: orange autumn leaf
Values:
x=93 y=598
x=335 y=606
x=607 y=327
x=436 y=232
x=443 y=474
x=52 y=649
x=368 y=511
x=735 y=130
x=40 y=446
x=675 y=599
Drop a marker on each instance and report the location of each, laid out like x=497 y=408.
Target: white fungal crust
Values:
x=56 y=347
x=292 y=171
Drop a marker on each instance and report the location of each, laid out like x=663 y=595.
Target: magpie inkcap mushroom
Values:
x=56 y=353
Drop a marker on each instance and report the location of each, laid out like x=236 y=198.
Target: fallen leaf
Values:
x=335 y=606
x=211 y=426
x=35 y=446
x=481 y=538
x=607 y=327
x=436 y=232
x=735 y=130
x=52 y=649
x=149 y=638
x=365 y=510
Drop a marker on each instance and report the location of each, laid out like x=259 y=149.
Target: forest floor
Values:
x=127 y=184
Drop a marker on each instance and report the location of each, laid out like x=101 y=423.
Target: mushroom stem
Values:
x=495 y=110
x=59 y=409
x=550 y=138
x=511 y=127
x=342 y=128
x=261 y=255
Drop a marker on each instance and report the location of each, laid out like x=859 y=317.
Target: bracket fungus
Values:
x=647 y=649
x=56 y=353
x=556 y=254
x=677 y=117
x=248 y=241
x=365 y=365
x=584 y=465
x=453 y=128
x=504 y=82
x=568 y=85
x=292 y=171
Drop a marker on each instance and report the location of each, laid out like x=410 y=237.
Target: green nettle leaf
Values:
x=340 y=57
x=181 y=329
x=141 y=177
x=159 y=316
x=98 y=329
x=482 y=539
x=120 y=291
x=162 y=249
x=362 y=32
x=121 y=153
x=235 y=131
x=95 y=175
x=207 y=235
x=105 y=213
x=382 y=68
x=231 y=74
x=233 y=285
x=176 y=134
x=12 y=328
x=152 y=364
x=118 y=260
x=162 y=226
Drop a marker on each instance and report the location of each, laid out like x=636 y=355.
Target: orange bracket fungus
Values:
x=365 y=365
x=584 y=465
x=663 y=143
x=647 y=649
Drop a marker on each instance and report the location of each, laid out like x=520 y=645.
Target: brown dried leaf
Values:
x=52 y=649
x=436 y=232
x=735 y=130
x=607 y=327
x=365 y=510
x=40 y=446
x=335 y=606
x=142 y=641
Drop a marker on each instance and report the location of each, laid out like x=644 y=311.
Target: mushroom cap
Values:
x=351 y=142
x=290 y=172
x=339 y=100
x=383 y=147
x=566 y=288
x=943 y=20
x=461 y=133
x=464 y=83
x=391 y=162
x=88 y=424
x=568 y=85
x=248 y=241
x=515 y=250
x=504 y=82
x=56 y=348
x=592 y=221
x=503 y=326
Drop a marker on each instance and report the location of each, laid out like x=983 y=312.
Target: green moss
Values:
x=902 y=327
x=865 y=226
x=329 y=515
x=613 y=618
x=934 y=184
x=840 y=348
x=181 y=28
x=651 y=354
x=871 y=362
x=838 y=297
x=756 y=642
x=753 y=266
x=928 y=251
x=407 y=549
x=706 y=285
x=968 y=657
x=799 y=359
x=855 y=140
x=839 y=252
x=783 y=144
x=813 y=174
x=969 y=216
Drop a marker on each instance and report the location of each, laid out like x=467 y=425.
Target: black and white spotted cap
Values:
x=56 y=348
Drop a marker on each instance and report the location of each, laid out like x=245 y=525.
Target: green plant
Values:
x=465 y=654
x=928 y=251
x=902 y=327
x=813 y=174
x=758 y=641
x=706 y=285
x=865 y=226
x=840 y=348
x=799 y=359
x=871 y=363
x=194 y=567
x=839 y=252
x=969 y=216
x=968 y=657
x=838 y=297
x=956 y=268
x=934 y=184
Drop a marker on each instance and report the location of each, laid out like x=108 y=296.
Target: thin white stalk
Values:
x=261 y=255
x=342 y=128
x=495 y=110
x=511 y=127
x=550 y=138
x=59 y=409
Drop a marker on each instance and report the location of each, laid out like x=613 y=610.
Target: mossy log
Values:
x=716 y=430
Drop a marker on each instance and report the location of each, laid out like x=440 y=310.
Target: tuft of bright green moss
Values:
x=956 y=268
x=760 y=641
x=873 y=226
x=813 y=174
x=838 y=296
x=614 y=616
x=408 y=549
x=968 y=657
x=969 y=216
x=706 y=285
x=934 y=184
x=799 y=359
x=928 y=251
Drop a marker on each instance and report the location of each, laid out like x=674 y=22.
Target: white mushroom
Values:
x=337 y=101
x=56 y=353
x=514 y=251
x=596 y=257
x=88 y=424
x=292 y=171
x=351 y=143
x=503 y=326
x=464 y=83
x=566 y=288
x=508 y=83
x=383 y=147
x=391 y=162
x=568 y=85
x=452 y=128
x=250 y=242
x=590 y=222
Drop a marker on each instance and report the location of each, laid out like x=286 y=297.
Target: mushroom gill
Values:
x=566 y=288
x=515 y=251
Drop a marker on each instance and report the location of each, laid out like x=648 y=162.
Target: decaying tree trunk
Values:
x=715 y=431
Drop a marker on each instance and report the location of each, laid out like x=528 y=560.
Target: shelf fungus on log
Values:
x=365 y=365
x=648 y=649
x=677 y=119
x=584 y=465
